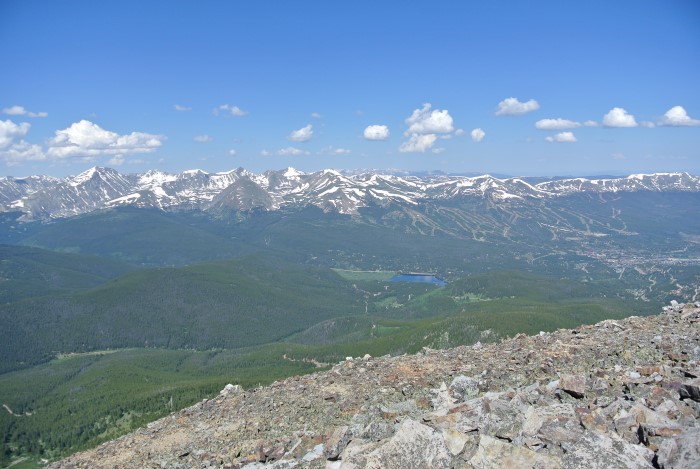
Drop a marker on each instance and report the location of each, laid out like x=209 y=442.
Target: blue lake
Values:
x=418 y=279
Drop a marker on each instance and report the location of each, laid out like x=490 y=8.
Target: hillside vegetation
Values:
x=117 y=317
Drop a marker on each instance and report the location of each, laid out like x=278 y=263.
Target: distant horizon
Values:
x=531 y=88
x=357 y=171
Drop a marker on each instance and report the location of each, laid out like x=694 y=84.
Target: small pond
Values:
x=418 y=278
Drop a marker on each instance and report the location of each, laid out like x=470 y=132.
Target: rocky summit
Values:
x=618 y=394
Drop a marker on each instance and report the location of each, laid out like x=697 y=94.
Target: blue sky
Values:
x=518 y=87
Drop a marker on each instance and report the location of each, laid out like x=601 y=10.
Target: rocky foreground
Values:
x=618 y=394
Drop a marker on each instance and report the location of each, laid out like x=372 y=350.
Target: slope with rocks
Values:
x=615 y=394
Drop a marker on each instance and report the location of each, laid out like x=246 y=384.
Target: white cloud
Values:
x=677 y=117
x=425 y=121
x=302 y=135
x=182 y=108
x=513 y=107
x=437 y=151
x=477 y=135
x=376 y=132
x=423 y=127
x=590 y=123
x=87 y=140
x=418 y=143
x=316 y=115
x=9 y=131
x=236 y=111
x=618 y=117
x=563 y=137
x=14 y=111
x=230 y=109
x=232 y=152
x=22 y=151
x=204 y=138
x=291 y=151
x=459 y=132
x=647 y=124
x=556 y=124
x=264 y=152
x=20 y=111
x=116 y=160
x=331 y=150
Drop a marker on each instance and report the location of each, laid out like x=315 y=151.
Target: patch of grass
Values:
x=365 y=275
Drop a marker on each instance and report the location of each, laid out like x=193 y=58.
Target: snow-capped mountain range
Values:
x=43 y=198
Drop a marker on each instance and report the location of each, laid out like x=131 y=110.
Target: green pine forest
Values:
x=114 y=319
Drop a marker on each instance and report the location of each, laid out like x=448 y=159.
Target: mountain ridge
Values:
x=43 y=198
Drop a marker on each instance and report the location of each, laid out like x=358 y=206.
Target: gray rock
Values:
x=497 y=454
x=464 y=388
x=682 y=452
x=599 y=450
x=377 y=430
x=575 y=385
x=690 y=390
x=413 y=446
x=336 y=442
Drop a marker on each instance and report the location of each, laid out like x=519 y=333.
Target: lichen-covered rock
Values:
x=497 y=454
x=413 y=446
x=464 y=388
x=573 y=384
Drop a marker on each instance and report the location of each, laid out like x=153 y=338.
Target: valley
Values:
x=117 y=310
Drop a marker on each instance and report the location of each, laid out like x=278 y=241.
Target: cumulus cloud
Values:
x=563 y=137
x=425 y=121
x=20 y=111
x=9 y=131
x=459 y=132
x=618 y=117
x=13 y=151
x=423 y=127
x=556 y=124
x=182 y=108
x=228 y=109
x=477 y=135
x=678 y=117
x=22 y=151
x=513 y=107
x=116 y=160
x=87 y=139
x=302 y=135
x=291 y=151
x=376 y=132
x=418 y=143
x=204 y=138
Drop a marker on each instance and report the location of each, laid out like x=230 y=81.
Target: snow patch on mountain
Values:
x=238 y=189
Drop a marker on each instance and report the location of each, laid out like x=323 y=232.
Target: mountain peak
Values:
x=292 y=173
x=328 y=189
x=89 y=174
